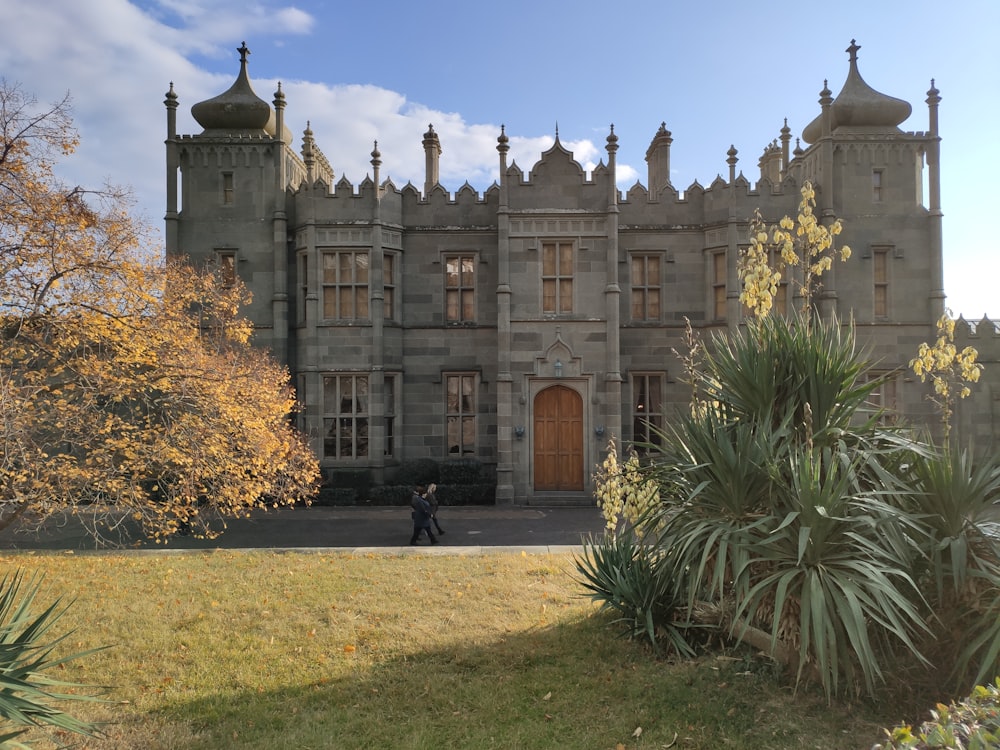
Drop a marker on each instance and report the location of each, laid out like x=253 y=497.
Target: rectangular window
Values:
x=303 y=285
x=300 y=401
x=557 y=277
x=880 y=274
x=461 y=414
x=345 y=416
x=647 y=409
x=345 y=285
x=228 y=193
x=460 y=289
x=883 y=398
x=719 y=286
x=646 y=287
x=389 y=401
x=227 y=267
x=388 y=286
x=877 y=186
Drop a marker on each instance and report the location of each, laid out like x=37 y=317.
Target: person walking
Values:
x=421 y=515
x=431 y=498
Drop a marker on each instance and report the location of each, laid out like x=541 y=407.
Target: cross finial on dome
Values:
x=244 y=51
x=853 y=51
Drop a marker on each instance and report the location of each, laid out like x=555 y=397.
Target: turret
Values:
x=658 y=160
x=432 y=156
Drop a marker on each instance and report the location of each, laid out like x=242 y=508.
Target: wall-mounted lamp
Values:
x=558 y=368
x=599 y=431
x=519 y=431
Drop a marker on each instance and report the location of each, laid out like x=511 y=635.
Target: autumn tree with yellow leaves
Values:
x=128 y=387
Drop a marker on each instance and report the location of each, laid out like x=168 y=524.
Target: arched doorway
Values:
x=558 y=440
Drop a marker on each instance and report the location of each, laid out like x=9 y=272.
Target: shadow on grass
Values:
x=571 y=685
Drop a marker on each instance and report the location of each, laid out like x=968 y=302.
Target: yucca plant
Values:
x=638 y=583
x=29 y=694
x=715 y=480
x=773 y=505
x=828 y=578
x=953 y=498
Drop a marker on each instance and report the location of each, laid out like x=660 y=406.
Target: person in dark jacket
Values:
x=421 y=515
x=432 y=500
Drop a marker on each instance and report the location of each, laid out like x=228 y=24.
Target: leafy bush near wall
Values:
x=447 y=494
x=460 y=482
x=359 y=480
x=389 y=494
x=467 y=494
x=336 y=496
x=420 y=471
x=462 y=471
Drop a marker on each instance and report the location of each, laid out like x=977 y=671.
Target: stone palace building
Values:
x=526 y=325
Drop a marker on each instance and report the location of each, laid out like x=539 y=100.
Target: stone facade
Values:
x=526 y=325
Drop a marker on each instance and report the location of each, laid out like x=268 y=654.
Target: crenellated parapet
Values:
x=984 y=330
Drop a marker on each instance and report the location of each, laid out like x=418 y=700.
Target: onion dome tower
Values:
x=859 y=107
x=237 y=110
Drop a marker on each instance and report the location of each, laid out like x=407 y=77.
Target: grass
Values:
x=264 y=650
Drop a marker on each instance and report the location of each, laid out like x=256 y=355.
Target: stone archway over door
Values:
x=558 y=440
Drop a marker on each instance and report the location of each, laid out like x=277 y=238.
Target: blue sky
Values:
x=718 y=73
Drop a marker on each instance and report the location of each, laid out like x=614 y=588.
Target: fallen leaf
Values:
x=637 y=732
x=547 y=696
x=349 y=649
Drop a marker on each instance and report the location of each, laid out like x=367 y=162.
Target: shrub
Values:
x=27 y=689
x=358 y=480
x=390 y=494
x=461 y=471
x=777 y=499
x=419 y=471
x=328 y=496
x=639 y=583
x=466 y=494
x=973 y=723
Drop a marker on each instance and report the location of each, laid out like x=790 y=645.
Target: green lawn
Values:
x=283 y=650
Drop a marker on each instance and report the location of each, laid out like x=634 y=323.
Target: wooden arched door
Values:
x=558 y=439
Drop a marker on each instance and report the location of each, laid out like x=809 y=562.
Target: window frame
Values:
x=358 y=420
x=878 y=185
x=228 y=189
x=359 y=290
x=226 y=259
x=886 y=396
x=460 y=414
x=390 y=417
x=303 y=284
x=881 y=281
x=719 y=285
x=644 y=288
x=641 y=407
x=389 y=266
x=562 y=281
x=460 y=289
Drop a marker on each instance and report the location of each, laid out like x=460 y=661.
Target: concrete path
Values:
x=468 y=530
